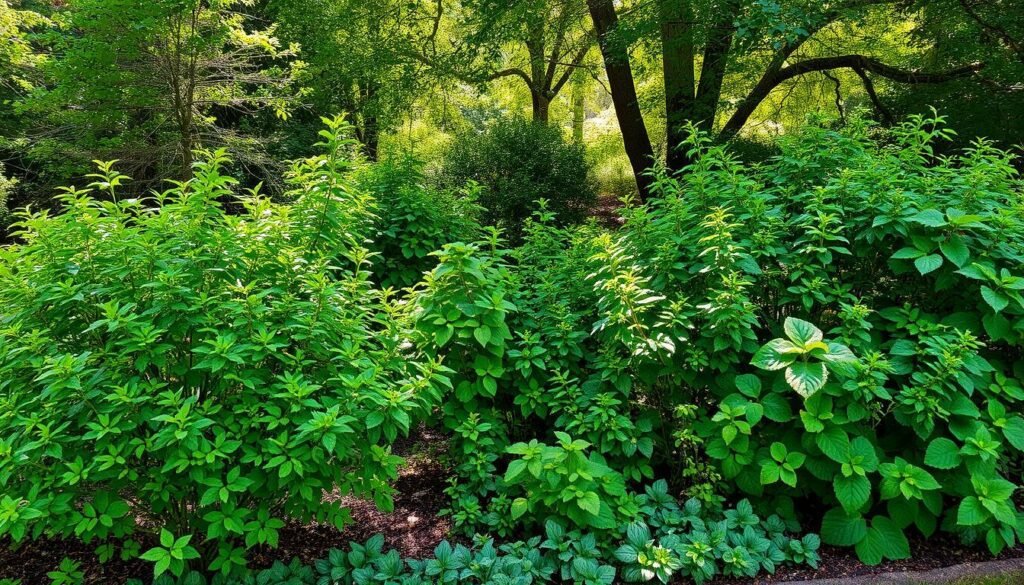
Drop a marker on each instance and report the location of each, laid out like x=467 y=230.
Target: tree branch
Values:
x=1015 y=45
x=865 y=63
x=869 y=87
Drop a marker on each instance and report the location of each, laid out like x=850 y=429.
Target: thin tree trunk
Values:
x=579 y=110
x=680 y=80
x=712 y=71
x=623 y=90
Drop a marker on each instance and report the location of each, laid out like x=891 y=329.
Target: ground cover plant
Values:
x=822 y=348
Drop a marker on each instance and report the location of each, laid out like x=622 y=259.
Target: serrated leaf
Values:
x=777 y=408
x=852 y=492
x=997 y=300
x=806 y=377
x=775 y=355
x=1014 y=432
x=956 y=250
x=834 y=443
x=801 y=332
x=519 y=507
x=482 y=335
x=930 y=218
x=971 y=512
x=929 y=263
x=749 y=385
x=841 y=529
x=942 y=453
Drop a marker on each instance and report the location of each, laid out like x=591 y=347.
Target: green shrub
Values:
x=518 y=162
x=413 y=220
x=6 y=187
x=212 y=374
x=837 y=331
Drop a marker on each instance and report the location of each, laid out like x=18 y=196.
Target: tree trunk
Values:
x=541 y=106
x=579 y=109
x=623 y=90
x=712 y=71
x=370 y=135
x=678 y=66
x=371 y=138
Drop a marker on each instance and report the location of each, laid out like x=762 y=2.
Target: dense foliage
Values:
x=826 y=342
x=211 y=373
x=517 y=163
x=673 y=289
x=414 y=220
x=739 y=544
x=600 y=361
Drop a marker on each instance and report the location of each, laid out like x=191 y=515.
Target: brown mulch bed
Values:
x=606 y=210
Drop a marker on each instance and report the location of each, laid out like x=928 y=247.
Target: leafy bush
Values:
x=6 y=187
x=212 y=374
x=518 y=162
x=839 y=328
x=413 y=220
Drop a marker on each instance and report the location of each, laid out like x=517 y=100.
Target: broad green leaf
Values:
x=775 y=355
x=884 y=540
x=777 y=408
x=852 y=492
x=956 y=250
x=997 y=300
x=971 y=512
x=1014 y=432
x=930 y=218
x=806 y=377
x=519 y=507
x=930 y=263
x=834 y=443
x=801 y=332
x=942 y=453
x=841 y=529
x=749 y=385
x=907 y=254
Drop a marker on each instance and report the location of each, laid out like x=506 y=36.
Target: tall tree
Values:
x=623 y=89
x=149 y=82
x=720 y=35
x=541 y=42
x=17 y=55
x=356 y=52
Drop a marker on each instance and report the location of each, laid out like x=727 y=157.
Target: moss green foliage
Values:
x=518 y=162
x=212 y=373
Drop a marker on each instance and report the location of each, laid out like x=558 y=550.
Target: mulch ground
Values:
x=606 y=210
x=414 y=528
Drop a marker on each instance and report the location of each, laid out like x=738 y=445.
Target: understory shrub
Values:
x=518 y=162
x=167 y=368
x=830 y=340
x=6 y=187
x=414 y=220
x=835 y=334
